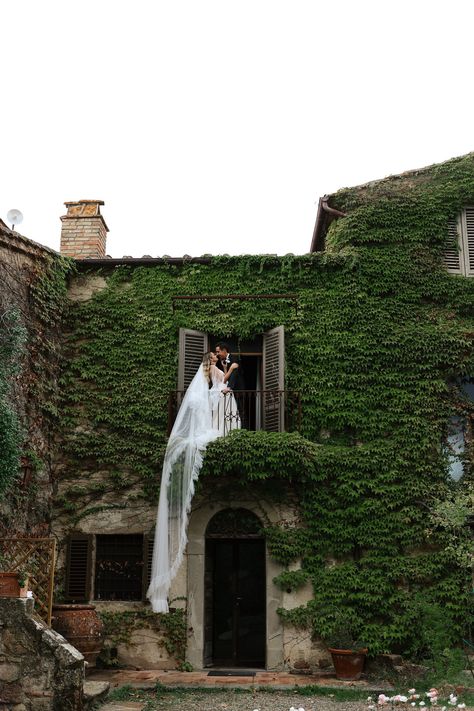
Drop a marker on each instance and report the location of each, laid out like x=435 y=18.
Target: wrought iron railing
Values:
x=268 y=410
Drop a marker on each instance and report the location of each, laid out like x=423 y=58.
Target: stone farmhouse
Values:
x=357 y=415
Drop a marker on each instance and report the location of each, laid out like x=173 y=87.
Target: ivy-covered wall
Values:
x=380 y=335
x=32 y=299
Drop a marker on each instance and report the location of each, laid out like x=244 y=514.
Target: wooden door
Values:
x=238 y=602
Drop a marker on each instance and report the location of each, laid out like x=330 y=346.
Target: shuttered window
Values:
x=469 y=239
x=192 y=346
x=274 y=379
x=122 y=568
x=79 y=568
x=459 y=251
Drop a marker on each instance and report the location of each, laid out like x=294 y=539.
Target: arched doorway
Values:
x=234 y=590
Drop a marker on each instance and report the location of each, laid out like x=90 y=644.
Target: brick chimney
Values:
x=83 y=230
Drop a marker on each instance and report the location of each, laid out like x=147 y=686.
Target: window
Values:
x=460 y=428
x=455 y=447
x=118 y=567
x=264 y=403
x=459 y=252
x=108 y=567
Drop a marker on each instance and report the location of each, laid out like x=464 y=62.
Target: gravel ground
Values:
x=232 y=701
x=261 y=700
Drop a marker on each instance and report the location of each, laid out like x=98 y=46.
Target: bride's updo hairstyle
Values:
x=206 y=365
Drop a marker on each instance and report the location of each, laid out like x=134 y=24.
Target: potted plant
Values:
x=13 y=583
x=338 y=629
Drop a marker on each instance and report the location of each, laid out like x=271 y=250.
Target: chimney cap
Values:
x=84 y=209
x=84 y=202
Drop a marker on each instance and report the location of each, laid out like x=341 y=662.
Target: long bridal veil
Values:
x=191 y=433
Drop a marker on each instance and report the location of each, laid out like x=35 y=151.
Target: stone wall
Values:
x=22 y=262
x=39 y=670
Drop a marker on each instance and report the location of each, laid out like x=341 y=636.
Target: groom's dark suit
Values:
x=236 y=379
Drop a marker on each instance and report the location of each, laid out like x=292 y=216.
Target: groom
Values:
x=226 y=361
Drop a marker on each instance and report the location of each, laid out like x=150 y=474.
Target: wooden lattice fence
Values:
x=37 y=557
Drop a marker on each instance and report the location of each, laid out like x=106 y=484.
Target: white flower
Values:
x=422 y=703
x=403 y=699
x=413 y=703
x=369 y=699
x=382 y=699
x=411 y=691
x=461 y=706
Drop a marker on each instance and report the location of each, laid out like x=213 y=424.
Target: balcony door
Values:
x=262 y=402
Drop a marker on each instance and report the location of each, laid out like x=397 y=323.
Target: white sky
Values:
x=214 y=126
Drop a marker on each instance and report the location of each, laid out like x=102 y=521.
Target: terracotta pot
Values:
x=10 y=587
x=349 y=665
x=82 y=627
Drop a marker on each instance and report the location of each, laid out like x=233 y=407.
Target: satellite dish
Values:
x=15 y=217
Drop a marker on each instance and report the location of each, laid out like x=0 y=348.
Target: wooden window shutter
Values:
x=469 y=240
x=192 y=346
x=148 y=543
x=274 y=379
x=79 y=567
x=452 y=252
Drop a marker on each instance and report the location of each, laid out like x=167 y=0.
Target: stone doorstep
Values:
x=199 y=679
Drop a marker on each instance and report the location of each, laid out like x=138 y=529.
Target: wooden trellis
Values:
x=37 y=557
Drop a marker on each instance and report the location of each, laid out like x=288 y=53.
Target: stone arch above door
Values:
x=198 y=525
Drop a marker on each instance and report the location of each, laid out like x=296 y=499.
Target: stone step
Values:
x=123 y=706
x=94 y=691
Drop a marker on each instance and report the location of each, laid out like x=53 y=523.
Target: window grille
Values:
x=119 y=567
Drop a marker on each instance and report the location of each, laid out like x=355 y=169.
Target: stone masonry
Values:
x=39 y=670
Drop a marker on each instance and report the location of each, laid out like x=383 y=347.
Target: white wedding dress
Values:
x=200 y=420
x=225 y=413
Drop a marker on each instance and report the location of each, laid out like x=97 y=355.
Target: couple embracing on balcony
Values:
x=208 y=410
x=224 y=376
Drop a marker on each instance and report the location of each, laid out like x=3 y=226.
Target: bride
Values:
x=205 y=413
x=225 y=413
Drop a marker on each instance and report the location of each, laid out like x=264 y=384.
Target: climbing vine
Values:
x=119 y=626
x=30 y=339
x=376 y=345
x=12 y=340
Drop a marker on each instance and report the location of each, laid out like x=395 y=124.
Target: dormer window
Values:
x=459 y=253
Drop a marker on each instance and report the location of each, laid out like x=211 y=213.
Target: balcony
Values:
x=268 y=410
